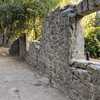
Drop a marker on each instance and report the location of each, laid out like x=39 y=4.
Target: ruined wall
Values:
x=56 y=49
x=58 y=52
x=61 y=43
x=85 y=83
x=81 y=81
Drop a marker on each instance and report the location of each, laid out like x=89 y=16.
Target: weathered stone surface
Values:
x=88 y=6
x=62 y=42
x=89 y=79
x=32 y=54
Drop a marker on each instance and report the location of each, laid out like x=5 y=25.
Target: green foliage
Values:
x=92 y=35
x=24 y=16
x=93 y=45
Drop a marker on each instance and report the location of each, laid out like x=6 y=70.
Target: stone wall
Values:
x=31 y=56
x=62 y=42
x=81 y=81
x=85 y=83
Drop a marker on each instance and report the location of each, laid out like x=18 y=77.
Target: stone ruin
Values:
x=60 y=53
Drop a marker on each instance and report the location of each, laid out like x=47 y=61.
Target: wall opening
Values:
x=91 y=32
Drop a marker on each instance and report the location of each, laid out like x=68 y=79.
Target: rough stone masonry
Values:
x=58 y=54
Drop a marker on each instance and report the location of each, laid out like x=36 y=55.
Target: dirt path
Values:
x=18 y=82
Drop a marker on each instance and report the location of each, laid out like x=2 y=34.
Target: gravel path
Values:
x=18 y=82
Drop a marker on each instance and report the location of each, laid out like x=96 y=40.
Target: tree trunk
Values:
x=22 y=46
